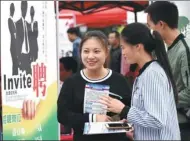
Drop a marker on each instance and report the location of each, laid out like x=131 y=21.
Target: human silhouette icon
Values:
x=33 y=35
x=13 y=42
x=23 y=28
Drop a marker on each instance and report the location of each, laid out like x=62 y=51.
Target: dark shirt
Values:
x=71 y=99
x=115 y=59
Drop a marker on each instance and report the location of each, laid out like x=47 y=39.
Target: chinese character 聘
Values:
x=39 y=79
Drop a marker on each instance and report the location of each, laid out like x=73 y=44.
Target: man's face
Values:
x=64 y=74
x=159 y=27
x=24 y=7
x=32 y=13
x=70 y=37
x=12 y=10
x=112 y=39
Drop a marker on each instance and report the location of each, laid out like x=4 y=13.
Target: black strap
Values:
x=188 y=52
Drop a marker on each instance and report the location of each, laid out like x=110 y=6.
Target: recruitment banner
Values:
x=29 y=70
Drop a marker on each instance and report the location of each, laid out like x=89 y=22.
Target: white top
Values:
x=96 y=81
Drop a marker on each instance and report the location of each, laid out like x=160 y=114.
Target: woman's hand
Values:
x=113 y=105
x=103 y=118
x=130 y=134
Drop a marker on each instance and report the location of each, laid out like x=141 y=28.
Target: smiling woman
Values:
x=94 y=50
x=73 y=110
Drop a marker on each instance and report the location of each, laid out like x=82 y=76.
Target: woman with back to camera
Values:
x=153 y=108
x=94 y=51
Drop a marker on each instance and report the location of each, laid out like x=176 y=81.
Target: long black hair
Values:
x=136 y=33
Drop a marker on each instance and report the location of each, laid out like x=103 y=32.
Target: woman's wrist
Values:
x=124 y=112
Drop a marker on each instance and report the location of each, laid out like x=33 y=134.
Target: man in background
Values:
x=73 y=36
x=115 y=51
x=68 y=66
x=163 y=18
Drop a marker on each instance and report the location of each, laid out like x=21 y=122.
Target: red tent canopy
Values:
x=114 y=16
x=93 y=6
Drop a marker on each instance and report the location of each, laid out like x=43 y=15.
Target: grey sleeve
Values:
x=184 y=94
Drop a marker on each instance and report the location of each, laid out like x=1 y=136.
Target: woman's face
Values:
x=129 y=52
x=93 y=54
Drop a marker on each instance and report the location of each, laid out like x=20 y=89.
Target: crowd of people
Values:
x=158 y=103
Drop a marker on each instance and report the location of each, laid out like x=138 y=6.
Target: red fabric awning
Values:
x=93 y=6
x=114 y=16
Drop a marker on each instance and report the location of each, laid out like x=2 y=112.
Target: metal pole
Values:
x=57 y=53
x=135 y=12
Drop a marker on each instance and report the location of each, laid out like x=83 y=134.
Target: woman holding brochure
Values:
x=153 y=108
x=78 y=101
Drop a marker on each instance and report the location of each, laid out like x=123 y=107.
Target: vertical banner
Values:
x=29 y=70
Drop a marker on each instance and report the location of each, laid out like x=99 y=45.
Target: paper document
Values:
x=93 y=92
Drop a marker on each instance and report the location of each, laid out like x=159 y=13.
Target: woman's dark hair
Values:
x=99 y=36
x=137 y=33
